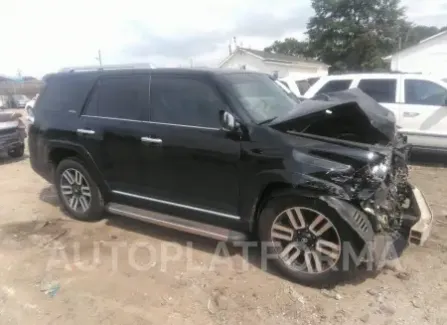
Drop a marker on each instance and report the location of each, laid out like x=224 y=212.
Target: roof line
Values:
x=415 y=45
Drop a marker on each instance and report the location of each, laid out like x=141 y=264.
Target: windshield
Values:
x=263 y=99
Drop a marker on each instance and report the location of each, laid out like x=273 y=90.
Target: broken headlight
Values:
x=379 y=171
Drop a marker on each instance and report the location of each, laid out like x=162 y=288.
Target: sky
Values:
x=44 y=36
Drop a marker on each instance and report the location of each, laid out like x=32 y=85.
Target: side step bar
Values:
x=185 y=225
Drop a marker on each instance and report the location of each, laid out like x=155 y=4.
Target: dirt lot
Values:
x=57 y=271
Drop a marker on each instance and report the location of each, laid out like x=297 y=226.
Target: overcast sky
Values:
x=42 y=36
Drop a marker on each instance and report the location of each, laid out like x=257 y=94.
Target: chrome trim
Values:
x=152 y=122
x=83 y=131
x=169 y=224
x=424 y=133
x=178 y=205
x=151 y=140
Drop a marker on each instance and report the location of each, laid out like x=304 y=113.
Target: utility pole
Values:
x=99 y=58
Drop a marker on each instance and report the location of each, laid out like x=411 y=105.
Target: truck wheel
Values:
x=306 y=240
x=77 y=191
x=17 y=152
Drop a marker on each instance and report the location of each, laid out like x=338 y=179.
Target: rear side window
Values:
x=184 y=101
x=382 y=90
x=65 y=93
x=303 y=86
x=125 y=97
x=424 y=92
x=334 y=85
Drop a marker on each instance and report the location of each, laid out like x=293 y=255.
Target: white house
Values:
x=271 y=63
x=429 y=56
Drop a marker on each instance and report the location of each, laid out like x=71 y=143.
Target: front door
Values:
x=190 y=161
x=423 y=114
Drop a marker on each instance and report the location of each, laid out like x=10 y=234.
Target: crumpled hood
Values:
x=350 y=111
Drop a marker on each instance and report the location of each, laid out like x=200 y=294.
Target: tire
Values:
x=17 y=152
x=77 y=207
x=289 y=257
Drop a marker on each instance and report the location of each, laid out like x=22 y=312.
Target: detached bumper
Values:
x=421 y=230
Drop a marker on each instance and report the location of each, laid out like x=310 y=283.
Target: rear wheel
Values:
x=306 y=239
x=16 y=152
x=77 y=191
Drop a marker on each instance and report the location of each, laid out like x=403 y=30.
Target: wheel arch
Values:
x=353 y=217
x=60 y=150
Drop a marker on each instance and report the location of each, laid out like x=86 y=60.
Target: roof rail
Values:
x=109 y=67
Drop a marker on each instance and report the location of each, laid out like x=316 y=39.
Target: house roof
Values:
x=411 y=48
x=274 y=57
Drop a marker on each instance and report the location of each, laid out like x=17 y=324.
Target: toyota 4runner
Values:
x=228 y=154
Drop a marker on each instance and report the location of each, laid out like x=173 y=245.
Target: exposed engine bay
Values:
x=376 y=178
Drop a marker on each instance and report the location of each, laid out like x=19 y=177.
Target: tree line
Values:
x=355 y=35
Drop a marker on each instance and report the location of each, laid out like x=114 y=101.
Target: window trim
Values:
x=152 y=122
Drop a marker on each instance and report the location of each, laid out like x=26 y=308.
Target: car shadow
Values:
x=48 y=195
x=5 y=159
x=429 y=159
x=253 y=254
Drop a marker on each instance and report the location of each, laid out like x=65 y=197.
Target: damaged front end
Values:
x=355 y=155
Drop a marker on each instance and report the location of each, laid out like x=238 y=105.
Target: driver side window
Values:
x=424 y=92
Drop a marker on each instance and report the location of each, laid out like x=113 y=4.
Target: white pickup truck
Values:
x=418 y=101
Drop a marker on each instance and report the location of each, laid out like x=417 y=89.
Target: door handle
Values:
x=84 y=131
x=410 y=114
x=151 y=140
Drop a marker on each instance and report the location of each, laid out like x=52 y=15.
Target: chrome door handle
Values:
x=84 y=131
x=151 y=140
x=410 y=114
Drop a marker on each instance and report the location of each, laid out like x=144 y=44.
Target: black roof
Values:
x=195 y=71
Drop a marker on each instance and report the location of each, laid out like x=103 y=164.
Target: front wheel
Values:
x=305 y=238
x=77 y=191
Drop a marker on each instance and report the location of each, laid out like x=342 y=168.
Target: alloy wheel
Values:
x=306 y=240
x=75 y=190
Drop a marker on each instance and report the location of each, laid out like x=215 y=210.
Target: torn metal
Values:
x=363 y=159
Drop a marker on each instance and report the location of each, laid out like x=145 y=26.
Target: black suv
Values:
x=228 y=154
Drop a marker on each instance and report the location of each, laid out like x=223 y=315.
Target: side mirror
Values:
x=228 y=122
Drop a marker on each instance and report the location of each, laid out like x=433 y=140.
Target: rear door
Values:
x=112 y=128
x=383 y=90
x=423 y=113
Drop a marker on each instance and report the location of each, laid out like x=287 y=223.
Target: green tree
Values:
x=412 y=34
x=290 y=46
x=354 y=34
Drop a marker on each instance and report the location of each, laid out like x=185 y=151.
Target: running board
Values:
x=185 y=225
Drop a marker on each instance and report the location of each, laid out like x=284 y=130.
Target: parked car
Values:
x=418 y=101
x=4 y=102
x=29 y=108
x=228 y=155
x=30 y=104
x=19 y=101
x=12 y=134
x=298 y=85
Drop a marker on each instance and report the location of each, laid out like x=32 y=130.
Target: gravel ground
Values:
x=54 y=270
